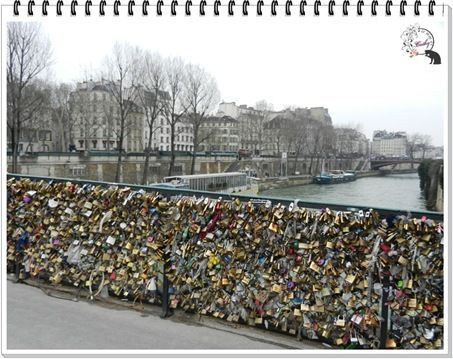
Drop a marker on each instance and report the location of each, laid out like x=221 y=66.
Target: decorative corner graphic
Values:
x=419 y=41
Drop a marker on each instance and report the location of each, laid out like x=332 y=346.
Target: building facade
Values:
x=162 y=135
x=351 y=143
x=389 y=144
x=256 y=126
x=34 y=140
x=37 y=135
x=219 y=134
x=250 y=122
x=98 y=123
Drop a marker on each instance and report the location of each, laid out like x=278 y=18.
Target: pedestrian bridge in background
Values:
x=377 y=164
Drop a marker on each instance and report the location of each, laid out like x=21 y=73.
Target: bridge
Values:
x=235 y=232
x=377 y=164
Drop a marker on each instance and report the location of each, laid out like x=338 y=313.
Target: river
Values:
x=392 y=191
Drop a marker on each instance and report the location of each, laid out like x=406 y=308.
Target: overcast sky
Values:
x=354 y=67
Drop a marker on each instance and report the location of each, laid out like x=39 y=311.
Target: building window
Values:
x=45 y=135
x=78 y=171
x=95 y=142
x=81 y=143
x=168 y=148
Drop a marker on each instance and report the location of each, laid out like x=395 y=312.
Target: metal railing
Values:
x=438 y=216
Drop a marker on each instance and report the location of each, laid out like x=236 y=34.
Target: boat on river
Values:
x=334 y=176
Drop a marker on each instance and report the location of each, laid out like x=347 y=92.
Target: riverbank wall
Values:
x=293 y=181
x=431 y=183
x=102 y=166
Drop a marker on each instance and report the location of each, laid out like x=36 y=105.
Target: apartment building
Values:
x=219 y=134
x=97 y=120
x=162 y=135
x=389 y=144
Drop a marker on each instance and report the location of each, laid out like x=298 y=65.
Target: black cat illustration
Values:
x=434 y=56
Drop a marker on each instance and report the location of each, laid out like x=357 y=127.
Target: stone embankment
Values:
x=431 y=183
x=293 y=181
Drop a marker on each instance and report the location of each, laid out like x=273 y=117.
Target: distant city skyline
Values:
x=360 y=85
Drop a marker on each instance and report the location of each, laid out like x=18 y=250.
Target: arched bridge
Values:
x=377 y=164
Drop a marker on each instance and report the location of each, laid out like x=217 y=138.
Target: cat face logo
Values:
x=419 y=41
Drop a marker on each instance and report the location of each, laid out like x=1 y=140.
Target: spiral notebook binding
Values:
x=359 y=7
x=31 y=3
x=345 y=7
x=330 y=8
x=73 y=7
x=45 y=4
x=303 y=5
x=274 y=5
x=88 y=4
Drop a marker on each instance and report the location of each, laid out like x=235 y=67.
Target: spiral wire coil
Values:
x=246 y=7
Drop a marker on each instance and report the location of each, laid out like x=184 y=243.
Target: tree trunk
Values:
x=311 y=165
x=63 y=143
x=14 y=147
x=195 y=149
x=172 y=148
x=120 y=153
x=192 y=166
x=296 y=159
x=147 y=155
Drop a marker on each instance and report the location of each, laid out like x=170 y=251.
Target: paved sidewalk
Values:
x=38 y=321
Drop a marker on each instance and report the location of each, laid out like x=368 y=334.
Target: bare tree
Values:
x=152 y=97
x=412 y=143
x=425 y=143
x=417 y=142
x=174 y=109
x=62 y=115
x=264 y=108
x=301 y=140
x=28 y=56
x=39 y=120
x=121 y=75
x=201 y=95
x=317 y=144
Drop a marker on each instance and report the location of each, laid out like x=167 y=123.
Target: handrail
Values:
x=438 y=216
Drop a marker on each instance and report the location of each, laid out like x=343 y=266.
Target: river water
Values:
x=392 y=191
